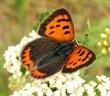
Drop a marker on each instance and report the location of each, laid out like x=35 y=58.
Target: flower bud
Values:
x=107 y=30
x=103 y=36
x=104 y=51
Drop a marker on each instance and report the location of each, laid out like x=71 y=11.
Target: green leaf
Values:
x=23 y=70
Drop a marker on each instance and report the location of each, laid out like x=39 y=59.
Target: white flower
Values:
x=93 y=84
x=104 y=85
x=39 y=91
x=49 y=92
x=58 y=84
x=71 y=86
x=79 y=81
x=103 y=78
x=102 y=90
x=12 y=55
x=89 y=89
x=27 y=86
x=108 y=93
x=20 y=93
x=17 y=74
x=57 y=93
x=34 y=35
x=80 y=91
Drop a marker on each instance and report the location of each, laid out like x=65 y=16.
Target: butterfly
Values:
x=56 y=49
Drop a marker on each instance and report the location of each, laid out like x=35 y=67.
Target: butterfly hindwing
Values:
x=80 y=57
x=48 y=69
x=58 y=26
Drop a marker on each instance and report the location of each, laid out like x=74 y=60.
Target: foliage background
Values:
x=17 y=18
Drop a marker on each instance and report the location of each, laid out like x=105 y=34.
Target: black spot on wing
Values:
x=63 y=19
x=81 y=53
x=59 y=20
x=67 y=32
x=74 y=63
x=86 y=56
x=51 y=32
x=51 y=27
x=70 y=62
x=58 y=25
x=66 y=20
x=79 y=59
x=65 y=27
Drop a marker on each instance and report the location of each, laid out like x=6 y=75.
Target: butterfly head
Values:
x=75 y=44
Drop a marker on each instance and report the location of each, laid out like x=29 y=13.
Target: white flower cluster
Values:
x=105 y=42
x=56 y=85
x=66 y=85
x=104 y=85
x=12 y=55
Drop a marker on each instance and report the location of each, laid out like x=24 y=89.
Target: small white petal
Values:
x=57 y=93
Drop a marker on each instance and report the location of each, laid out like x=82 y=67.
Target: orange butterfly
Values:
x=56 y=49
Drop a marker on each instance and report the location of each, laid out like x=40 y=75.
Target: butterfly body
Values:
x=61 y=51
x=56 y=50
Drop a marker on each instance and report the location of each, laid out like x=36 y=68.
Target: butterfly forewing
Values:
x=36 y=50
x=58 y=26
x=80 y=57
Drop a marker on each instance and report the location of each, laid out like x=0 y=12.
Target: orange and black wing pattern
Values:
x=58 y=26
x=80 y=57
x=55 y=50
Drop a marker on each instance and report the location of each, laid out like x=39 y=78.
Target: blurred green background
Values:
x=17 y=18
